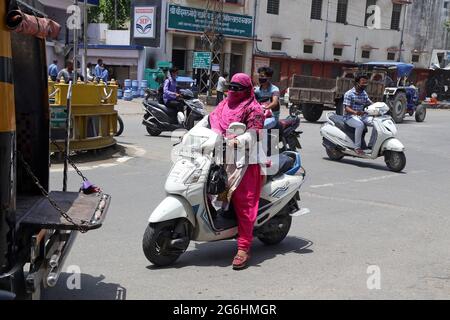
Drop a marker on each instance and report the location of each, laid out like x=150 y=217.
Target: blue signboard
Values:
x=93 y=2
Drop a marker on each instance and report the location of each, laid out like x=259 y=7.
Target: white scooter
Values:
x=187 y=213
x=338 y=138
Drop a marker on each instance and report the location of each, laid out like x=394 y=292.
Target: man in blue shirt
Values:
x=104 y=74
x=267 y=93
x=53 y=70
x=98 y=69
x=355 y=100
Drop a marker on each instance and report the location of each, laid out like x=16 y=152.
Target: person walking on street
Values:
x=98 y=69
x=67 y=72
x=221 y=86
x=104 y=74
x=53 y=70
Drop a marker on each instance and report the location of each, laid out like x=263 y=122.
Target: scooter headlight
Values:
x=193 y=177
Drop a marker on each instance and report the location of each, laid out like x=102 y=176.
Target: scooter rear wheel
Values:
x=275 y=230
x=334 y=154
x=156 y=243
x=153 y=132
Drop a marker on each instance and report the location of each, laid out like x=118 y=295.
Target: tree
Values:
x=106 y=12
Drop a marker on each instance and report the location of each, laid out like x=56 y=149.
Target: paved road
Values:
x=362 y=215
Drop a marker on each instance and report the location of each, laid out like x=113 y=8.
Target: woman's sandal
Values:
x=240 y=262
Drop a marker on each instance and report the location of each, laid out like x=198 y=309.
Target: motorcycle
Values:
x=288 y=134
x=159 y=118
x=338 y=138
x=187 y=213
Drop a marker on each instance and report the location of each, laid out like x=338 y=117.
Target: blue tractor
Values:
x=401 y=96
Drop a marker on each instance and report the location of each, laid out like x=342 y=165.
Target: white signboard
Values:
x=144 y=22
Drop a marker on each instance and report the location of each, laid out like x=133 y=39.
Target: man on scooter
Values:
x=170 y=95
x=268 y=94
x=355 y=100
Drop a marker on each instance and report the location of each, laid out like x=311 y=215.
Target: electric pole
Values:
x=212 y=40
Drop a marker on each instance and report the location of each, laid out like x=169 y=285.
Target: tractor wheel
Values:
x=398 y=107
x=312 y=112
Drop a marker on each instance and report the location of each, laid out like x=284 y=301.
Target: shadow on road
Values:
x=220 y=254
x=92 y=288
x=108 y=153
x=362 y=164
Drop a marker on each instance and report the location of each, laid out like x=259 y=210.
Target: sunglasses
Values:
x=236 y=87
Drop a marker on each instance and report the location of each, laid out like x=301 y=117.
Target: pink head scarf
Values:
x=239 y=106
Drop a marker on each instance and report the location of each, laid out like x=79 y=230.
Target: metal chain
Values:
x=69 y=160
x=44 y=192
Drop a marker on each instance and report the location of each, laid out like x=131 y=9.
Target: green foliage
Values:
x=105 y=13
x=447 y=25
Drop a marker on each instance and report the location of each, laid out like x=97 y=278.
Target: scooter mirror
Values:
x=237 y=128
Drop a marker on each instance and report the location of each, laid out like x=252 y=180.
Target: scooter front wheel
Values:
x=396 y=161
x=160 y=243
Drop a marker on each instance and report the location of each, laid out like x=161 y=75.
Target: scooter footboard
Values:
x=172 y=207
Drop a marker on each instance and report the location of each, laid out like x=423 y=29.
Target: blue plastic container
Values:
x=128 y=95
x=143 y=84
x=119 y=93
x=127 y=84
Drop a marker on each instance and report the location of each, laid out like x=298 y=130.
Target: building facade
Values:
x=179 y=26
x=318 y=37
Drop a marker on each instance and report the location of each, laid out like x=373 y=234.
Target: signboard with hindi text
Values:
x=201 y=60
x=196 y=20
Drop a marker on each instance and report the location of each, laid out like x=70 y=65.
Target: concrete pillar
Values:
x=190 y=48
x=227 y=56
x=248 y=58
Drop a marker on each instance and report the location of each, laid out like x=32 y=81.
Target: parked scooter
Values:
x=159 y=118
x=338 y=138
x=187 y=212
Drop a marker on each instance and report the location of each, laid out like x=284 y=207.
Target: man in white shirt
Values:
x=221 y=86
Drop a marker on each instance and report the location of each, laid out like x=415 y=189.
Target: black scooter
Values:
x=159 y=118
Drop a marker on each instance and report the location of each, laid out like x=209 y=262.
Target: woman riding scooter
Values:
x=241 y=106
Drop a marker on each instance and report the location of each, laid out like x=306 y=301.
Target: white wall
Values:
x=118 y=37
x=294 y=23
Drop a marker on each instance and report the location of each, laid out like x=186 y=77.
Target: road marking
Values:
x=361 y=201
x=389 y=176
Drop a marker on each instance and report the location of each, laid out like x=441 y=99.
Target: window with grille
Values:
x=273 y=6
x=396 y=14
x=415 y=58
x=365 y=54
x=368 y=4
x=342 y=11
x=338 y=51
x=307 y=48
x=316 y=9
x=276 y=45
x=391 y=56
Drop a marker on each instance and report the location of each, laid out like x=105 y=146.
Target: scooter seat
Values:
x=168 y=111
x=284 y=161
x=339 y=121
